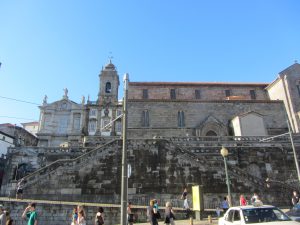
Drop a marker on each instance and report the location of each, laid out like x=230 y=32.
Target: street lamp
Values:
x=224 y=153
x=124 y=182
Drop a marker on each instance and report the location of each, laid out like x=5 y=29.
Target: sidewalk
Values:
x=187 y=222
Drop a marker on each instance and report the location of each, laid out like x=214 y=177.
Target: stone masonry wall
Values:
x=165 y=167
x=163 y=116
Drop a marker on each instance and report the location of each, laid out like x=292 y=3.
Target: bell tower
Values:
x=109 y=85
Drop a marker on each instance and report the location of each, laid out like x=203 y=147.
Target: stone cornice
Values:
x=206 y=101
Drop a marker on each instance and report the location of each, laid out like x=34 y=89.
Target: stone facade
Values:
x=175 y=133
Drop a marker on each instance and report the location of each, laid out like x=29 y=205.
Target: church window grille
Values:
x=76 y=121
x=172 y=94
x=252 y=94
x=145 y=93
x=93 y=112
x=108 y=87
x=197 y=94
x=145 y=118
x=180 y=119
x=92 y=125
x=227 y=93
x=62 y=124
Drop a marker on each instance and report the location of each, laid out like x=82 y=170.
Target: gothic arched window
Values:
x=211 y=133
x=108 y=87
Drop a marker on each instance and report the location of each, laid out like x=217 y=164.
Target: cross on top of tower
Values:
x=110 y=57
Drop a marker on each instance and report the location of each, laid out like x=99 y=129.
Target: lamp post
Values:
x=294 y=151
x=124 y=182
x=224 y=153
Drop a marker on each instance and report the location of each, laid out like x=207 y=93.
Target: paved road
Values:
x=188 y=222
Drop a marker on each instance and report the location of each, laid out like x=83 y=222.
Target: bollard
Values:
x=191 y=221
x=209 y=219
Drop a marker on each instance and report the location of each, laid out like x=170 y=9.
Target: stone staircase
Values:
x=183 y=147
x=203 y=161
x=61 y=166
x=65 y=171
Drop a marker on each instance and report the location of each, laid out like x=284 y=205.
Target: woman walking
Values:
x=169 y=214
x=81 y=218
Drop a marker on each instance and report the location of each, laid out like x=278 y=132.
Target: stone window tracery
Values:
x=211 y=133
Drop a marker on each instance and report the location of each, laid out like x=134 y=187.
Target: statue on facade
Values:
x=83 y=100
x=45 y=100
x=66 y=92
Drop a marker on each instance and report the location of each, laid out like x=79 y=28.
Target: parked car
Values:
x=263 y=214
x=294 y=213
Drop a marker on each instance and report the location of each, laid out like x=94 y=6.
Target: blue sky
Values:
x=46 y=46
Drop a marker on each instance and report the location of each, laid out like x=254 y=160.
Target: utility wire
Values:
x=18 y=100
x=11 y=117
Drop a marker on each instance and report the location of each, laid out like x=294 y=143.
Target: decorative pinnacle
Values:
x=110 y=57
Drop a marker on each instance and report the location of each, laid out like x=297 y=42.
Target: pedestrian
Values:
x=81 y=217
x=225 y=205
x=184 y=194
x=99 y=220
x=169 y=214
x=186 y=208
x=218 y=211
x=158 y=216
x=9 y=220
x=30 y=214
x=129 y=214
x=295 y=198
x=151 y=213
x=2 y=216
x=254 y=197
x=19 y=191
x=243 y=200
x=74 y=216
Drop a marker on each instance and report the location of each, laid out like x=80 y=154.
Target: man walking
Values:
x=30 y=214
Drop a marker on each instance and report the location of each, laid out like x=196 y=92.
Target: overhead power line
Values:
x=18 y=100
x=12 y=117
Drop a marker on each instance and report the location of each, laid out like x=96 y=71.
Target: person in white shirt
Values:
x=2 y=216
x=186 y=207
